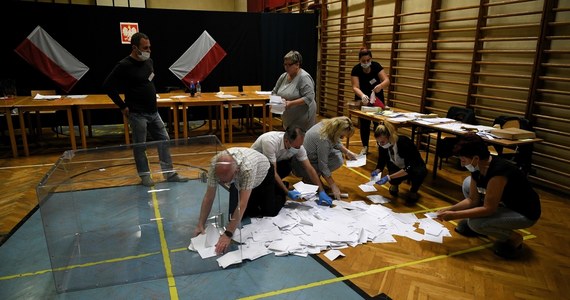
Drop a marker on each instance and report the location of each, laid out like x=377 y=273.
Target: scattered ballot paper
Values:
x=46 y=97
x=358 y=162
x=333 y=254
x=367 y=188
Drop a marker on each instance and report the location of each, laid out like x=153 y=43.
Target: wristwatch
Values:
x=228 y=233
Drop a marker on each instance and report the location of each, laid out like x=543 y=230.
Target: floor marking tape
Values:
x=371 y=272
x=164 y=250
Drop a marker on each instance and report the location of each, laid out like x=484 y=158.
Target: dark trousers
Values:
x=365 y=131
x=416 y=176
x=264 y=200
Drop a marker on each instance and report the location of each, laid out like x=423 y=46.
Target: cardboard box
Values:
x=513 y=133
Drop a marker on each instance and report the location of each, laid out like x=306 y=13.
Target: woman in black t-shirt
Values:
x=500 y=200
x=367 y=76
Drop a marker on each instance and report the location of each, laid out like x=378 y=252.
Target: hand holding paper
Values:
x=294 y=195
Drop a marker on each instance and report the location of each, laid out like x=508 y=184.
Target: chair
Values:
x=248 y=89
x=522 y=154
x=231 y=89
x=445 y=149
x=39 y=114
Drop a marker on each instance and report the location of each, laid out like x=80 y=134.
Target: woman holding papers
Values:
x=325 y=150
x=500 y=198
x=403 y=160
x=368 y=80
x=297 y=88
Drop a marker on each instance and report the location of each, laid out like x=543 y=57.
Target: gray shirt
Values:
x=319 y=148
x=302 y=86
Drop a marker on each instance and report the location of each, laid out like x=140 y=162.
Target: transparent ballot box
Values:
x=103 y=227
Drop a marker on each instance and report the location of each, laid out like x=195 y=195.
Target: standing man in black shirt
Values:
x=133 y=75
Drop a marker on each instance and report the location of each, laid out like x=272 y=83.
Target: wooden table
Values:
x=27 y=104
x=104 y=102
x=374 y=117
x=439 y=130
x=6 y=106
x=249 y=98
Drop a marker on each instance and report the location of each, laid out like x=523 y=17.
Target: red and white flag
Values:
x=43 y=52
x=199 y=60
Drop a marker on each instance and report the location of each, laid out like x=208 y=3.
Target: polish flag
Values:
x=40 y=50
x=199 y=60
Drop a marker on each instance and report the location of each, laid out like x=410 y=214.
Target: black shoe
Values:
x=412 y=198
x=394 y=190
x=506 y=250
x=176 y=178
x=464 y=229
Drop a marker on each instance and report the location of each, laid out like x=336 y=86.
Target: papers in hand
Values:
x=46 y=97
x=358 y=162
x=277 y=104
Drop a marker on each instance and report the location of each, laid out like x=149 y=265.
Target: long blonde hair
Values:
x=333 y=128
x=388 y=130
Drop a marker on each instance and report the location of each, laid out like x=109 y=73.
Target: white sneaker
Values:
x=364 y=151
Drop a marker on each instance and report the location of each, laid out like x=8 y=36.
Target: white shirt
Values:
x=272 y=145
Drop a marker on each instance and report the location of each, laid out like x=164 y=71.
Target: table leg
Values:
x=23 y=132
x=8 y=115
x=126 y=127
x=264 y=114
x=82 y=128
x=230 y=121
x=185 y=120
x=71 y=129
x=175 y=117
x=222 y=128
x=436 y=158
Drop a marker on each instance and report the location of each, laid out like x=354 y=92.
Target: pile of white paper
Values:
x=303 y=228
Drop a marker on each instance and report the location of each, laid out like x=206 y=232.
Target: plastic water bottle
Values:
x=198 y=89
x=192 y=88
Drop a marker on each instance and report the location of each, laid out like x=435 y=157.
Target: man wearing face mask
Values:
x=500 y=199
x=280 y=147
x=368 y=76
x=133 y=76
x=403 y=160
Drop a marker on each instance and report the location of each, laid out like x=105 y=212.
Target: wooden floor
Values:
x=460 y=268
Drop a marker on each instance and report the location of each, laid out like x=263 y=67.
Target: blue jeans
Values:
x=141 y=124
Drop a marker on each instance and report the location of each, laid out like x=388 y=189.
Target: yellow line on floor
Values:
x=164 y=249
x=371 y=272
x=119 y=259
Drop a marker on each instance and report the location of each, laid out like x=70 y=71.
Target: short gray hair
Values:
x=294 y=57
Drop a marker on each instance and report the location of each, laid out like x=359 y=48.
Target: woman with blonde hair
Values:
x=325 y=150
x=402 y=159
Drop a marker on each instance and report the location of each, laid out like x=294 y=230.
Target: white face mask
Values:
x=292 y=150
x=471 y=168
x=366 y=65
x=144 y=56
x=387 y=145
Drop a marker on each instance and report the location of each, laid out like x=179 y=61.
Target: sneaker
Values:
x=364 y=151
x=394 y=190
x=464 y=229
x=147 y=181
x=176 y=178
